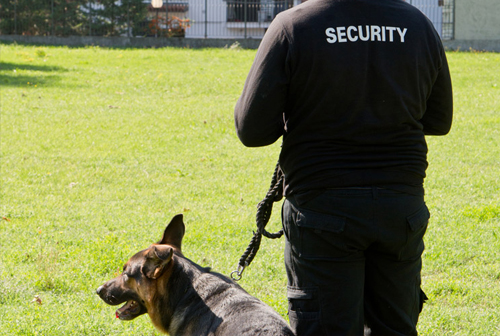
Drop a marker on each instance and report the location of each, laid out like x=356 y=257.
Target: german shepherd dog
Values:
x=183 y=298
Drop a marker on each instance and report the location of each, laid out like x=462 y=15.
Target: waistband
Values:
x=302 y=197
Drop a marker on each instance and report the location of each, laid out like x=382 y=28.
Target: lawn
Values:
x=101 y=147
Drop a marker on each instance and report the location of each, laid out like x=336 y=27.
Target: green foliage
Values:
x=111 y=18
x=72 y=17
x=21 y=16
x=66 y=18
x=100 y=148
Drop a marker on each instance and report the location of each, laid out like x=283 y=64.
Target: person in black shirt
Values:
x=353 y=87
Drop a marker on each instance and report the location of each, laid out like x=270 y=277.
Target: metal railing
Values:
x=182 y=18
x=441 y=13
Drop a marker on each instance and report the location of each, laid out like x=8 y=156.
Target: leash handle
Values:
x=264 y=210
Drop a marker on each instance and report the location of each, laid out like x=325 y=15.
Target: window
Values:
x=255 y=10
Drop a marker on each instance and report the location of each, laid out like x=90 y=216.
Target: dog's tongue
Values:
x=124 y=308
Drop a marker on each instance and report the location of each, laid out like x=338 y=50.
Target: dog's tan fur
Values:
x=182 y=298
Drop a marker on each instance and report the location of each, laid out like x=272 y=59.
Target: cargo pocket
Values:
x=303 y=309
x=419 y=220
x=417 y=225
x=321 y=235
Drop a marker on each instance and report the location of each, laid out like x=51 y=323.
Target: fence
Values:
x=247 y=19
x=441 y=13
x=77 y=18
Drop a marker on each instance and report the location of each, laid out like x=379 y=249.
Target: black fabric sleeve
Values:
x=259 y=111
x=439 y=112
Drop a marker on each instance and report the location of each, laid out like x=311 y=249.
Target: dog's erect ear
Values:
x=157 y=259
x=174 y=232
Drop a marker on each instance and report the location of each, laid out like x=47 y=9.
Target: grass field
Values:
x=101 y=147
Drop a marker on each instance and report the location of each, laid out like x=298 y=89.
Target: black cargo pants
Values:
x=353 y=259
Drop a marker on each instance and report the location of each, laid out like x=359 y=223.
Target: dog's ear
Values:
x=174 y=232
x=157 y=259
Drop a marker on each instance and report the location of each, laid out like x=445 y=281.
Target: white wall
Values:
x=477 y=19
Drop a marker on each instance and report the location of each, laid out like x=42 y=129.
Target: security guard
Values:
x=353 y=86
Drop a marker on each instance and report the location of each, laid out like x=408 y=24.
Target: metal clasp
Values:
x=238 y=272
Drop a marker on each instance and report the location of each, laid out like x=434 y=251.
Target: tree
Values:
x=67 y=18
x=114 y=18
x=24 y=17
x=71 y=17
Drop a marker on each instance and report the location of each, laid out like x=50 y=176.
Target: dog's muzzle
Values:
x=106 y=297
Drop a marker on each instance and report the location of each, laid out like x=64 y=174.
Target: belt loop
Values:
x=375 y=192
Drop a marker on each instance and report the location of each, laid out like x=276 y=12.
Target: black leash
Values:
x=264 y=210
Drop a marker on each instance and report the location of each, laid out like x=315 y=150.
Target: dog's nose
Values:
x=98 y=291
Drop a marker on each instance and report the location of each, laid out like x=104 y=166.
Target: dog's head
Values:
x=144 y=275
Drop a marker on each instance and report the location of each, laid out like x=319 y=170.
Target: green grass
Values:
x=101 y=147
x=462 y=260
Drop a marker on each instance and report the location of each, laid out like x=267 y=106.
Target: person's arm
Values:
x=439 y=113
x=258 y=114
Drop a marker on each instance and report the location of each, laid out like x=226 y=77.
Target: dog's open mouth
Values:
x=130 y=310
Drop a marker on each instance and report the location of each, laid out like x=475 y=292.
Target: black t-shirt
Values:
x=352 y=86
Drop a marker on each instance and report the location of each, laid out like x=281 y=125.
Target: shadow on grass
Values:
x=9 y=75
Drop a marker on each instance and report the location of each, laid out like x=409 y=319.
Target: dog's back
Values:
x=209 y=303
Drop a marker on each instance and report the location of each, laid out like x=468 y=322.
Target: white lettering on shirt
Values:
x=375 y=30
x=341 y=34
x=350 y=35
x=391 y=33
x=330 y=32
x=364 y=38
x=402 y=34
x=365 y=33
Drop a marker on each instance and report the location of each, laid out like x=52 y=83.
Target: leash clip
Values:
x=238 y=272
